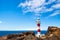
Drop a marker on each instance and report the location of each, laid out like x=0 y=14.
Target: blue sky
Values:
x=22 y=14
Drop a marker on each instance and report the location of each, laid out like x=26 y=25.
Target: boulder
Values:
x=53 y=33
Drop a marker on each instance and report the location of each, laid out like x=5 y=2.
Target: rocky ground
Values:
x=53 y=33
x=23 y=36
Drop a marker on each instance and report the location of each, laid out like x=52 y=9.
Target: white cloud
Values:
x=55 y=13
x=33 y=3
x=44 y=10
x=0 y=22
x=58 y=1
x=32 y=6
x=38 y=6
x=50 y=1
x=56 y=6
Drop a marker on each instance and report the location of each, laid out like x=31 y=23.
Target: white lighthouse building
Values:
x=38 y=28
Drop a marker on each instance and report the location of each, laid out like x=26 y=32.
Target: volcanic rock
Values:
x=23 y=36
x=53 y=33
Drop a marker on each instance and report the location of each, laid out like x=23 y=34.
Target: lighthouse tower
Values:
x=38 y=27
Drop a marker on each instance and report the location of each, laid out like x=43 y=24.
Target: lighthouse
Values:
x=38 y=27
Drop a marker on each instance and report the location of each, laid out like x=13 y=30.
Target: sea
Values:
x=3 y=33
